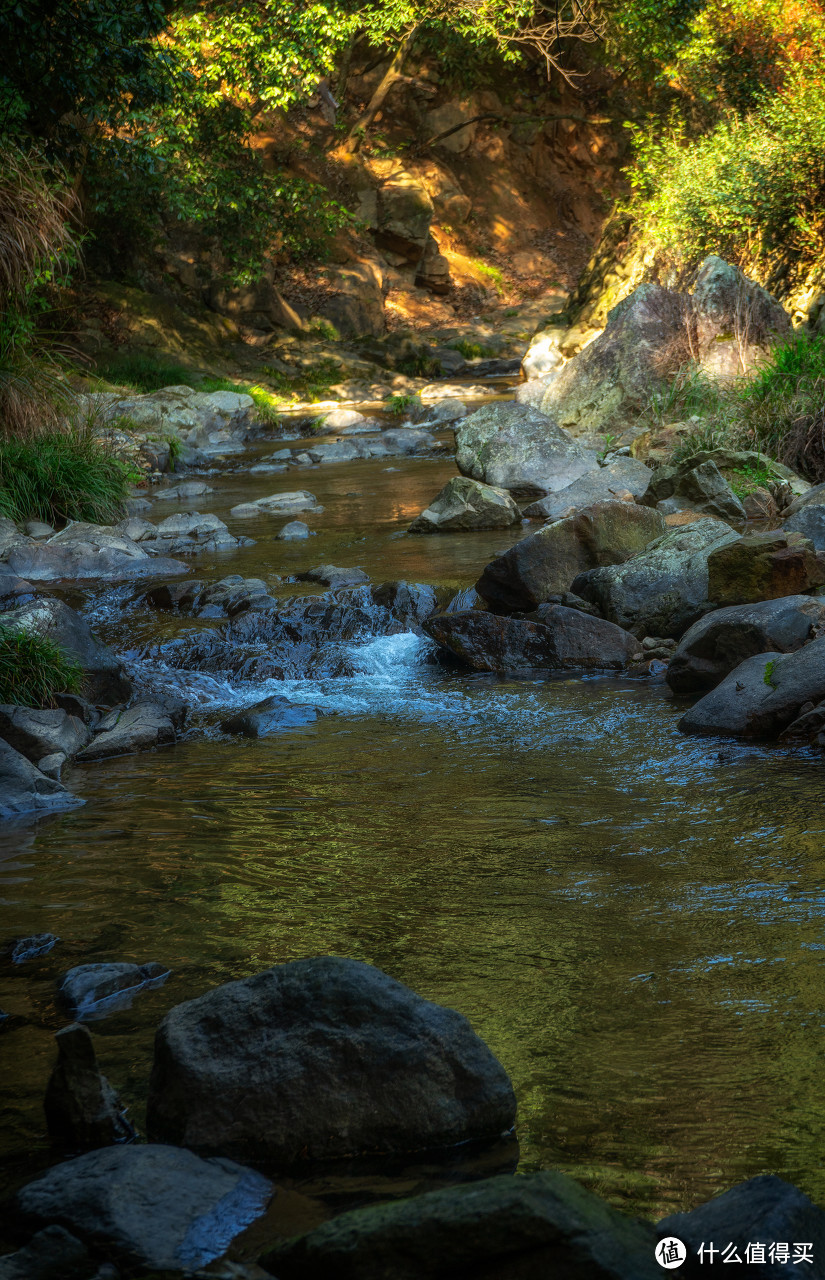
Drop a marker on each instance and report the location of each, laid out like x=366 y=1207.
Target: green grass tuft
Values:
x=143 y=373
x=399 y=404
x=472 y=350
x=33 y=670
x=60 y=476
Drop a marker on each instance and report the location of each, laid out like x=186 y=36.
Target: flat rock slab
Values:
x=278 y=504
x=719 y=641
x=151 y=1206
x=92 y=991
x=565 y=640
x=762 y=696
x=322 y=1058
x=623 y=477
x=534 y=1227
x=139 y=728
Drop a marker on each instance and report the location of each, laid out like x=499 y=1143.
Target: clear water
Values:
x=631 y=919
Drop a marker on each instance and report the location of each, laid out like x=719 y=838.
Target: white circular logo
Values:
x=670 y=1253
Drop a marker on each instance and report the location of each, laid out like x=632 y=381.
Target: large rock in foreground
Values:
x=565 y=640
x=104 y=681
x=464 y=504
x=540 y=566
x=514 y=447
x=762 y=696
x=719 y=641
x=531 y=1228
x=762 y=1209
x=151 y=1206
x=322 y=1058
x=664 y=590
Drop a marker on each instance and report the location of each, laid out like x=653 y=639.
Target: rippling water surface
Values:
x=631 y=919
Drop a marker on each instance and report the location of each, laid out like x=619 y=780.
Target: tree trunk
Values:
x=389 y=78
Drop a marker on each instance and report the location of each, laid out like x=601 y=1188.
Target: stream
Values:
x=631 y=919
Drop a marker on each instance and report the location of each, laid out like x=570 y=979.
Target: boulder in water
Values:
x=272 y=715
x=155 y=1207
x=322 y=1058
x=530 y=1227
x=38 y=733
x=565 y=640
x=93 y=990
x=464 y=504
x=24 y=790
x=762 y=696
x=719 y=641
x=121 y=733
x=82 y=1109
x=606 y=533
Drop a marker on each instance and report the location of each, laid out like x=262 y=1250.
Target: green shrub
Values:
x=143 y=373
x=60 y=476
x=33 y=669
x=472 y=350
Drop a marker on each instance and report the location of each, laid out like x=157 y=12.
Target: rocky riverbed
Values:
x=538 y=743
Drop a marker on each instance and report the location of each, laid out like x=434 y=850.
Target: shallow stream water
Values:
x=631 y=919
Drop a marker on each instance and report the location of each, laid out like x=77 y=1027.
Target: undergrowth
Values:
x=399 y=404
x=33 y=669
x=778 y=411
x=60 y=476
x=143 y=373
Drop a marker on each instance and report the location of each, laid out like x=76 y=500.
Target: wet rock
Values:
x=173 y=595
x=334 y=451
x=151 y=1206
x=407 y=440
x=623 y=479
x=763 y=566
x=186 y=534
x=762 y=696
x=272 y=715
x=20 y=950
x=182 y=492
x=278 y=504
x=531 y=1227
x=121 y=733
x=78 y=707
x=322 y=1058
x=446 y=411
x=24 y=790
x=409 y=603
x=104 y=680
x=607 y=533
x=93 y=990
x=719 y=641
x=462 y=600
x=13 y=590
x=52 y=1254
x=762 y=1209
x=37 y=529
x=513 y=446
x=663 y=590
x=82 y=1109
x=705 y=488
x=35 y=733
x=465 y=504
x=87 y=551
x=294 y=531
x=565 y=640
x=337 y=419
x=331 y=575
x=808 y=727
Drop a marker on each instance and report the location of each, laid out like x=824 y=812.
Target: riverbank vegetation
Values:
x=33 y=670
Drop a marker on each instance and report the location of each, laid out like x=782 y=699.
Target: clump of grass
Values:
x=143 y=373
x=266 y=402
x=744 y=480
x=398 y=404
x=59 y=476
x=493 y=275
x=419 y=366
x=325 y=329
x=472 y=350
x=33 y=669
